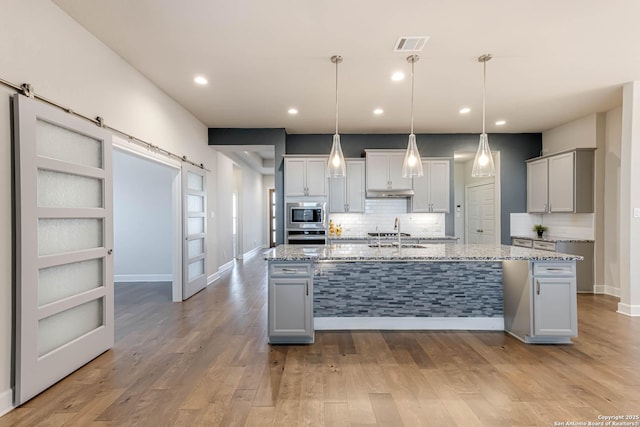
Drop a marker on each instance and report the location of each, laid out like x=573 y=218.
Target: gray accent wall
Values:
x=514 y=150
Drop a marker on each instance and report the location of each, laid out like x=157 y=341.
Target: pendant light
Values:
x=483 y=163
x=412 y=165
x=336 y=158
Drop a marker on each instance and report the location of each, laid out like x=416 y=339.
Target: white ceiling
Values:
x=553 y=61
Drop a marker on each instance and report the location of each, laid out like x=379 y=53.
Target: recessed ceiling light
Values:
x=201 y=80
x=378 y=111
x=292 y=111
x=397 y=76
x=465 y=110
x=501 y=122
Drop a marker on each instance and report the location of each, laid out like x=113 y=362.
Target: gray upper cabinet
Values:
x=346 y=194
x=384 y=170
x=305 y=176
x=432 y=189
x=562 y=182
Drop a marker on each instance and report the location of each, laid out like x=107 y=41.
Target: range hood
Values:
x=386 y=194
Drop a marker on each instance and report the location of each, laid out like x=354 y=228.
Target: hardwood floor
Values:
x=207 y=362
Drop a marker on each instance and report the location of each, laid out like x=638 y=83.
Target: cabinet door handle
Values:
x=537 y=286
x=550 y=207
x=289 y=270
x=307 y=286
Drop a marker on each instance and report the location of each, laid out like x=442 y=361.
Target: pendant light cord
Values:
x=484 y=94
x=413 y=63
x=337 y=61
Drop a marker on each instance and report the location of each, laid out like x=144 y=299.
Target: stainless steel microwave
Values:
x=311 y=215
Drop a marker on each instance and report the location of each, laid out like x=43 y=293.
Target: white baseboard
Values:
x=254 y=251
x=409 y=323
x=629 y=310
x=607 y=290
x=6 y=402
x=212 y=278
x=225 y=267
x=143 y=277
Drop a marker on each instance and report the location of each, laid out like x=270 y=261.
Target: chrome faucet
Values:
x=396 y=226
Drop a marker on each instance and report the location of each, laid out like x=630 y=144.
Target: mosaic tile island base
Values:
x=439 y=286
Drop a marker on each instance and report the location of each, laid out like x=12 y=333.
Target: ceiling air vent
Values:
x=410 y=43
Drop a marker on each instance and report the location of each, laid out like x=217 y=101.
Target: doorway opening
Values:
x=477 y=201
x=234 y=223
x=272 y=217
x=147 y=219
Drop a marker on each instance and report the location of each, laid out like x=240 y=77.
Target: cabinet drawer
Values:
x=545 y=246
x=290 y=270
x=525 y=243
x=554 y=269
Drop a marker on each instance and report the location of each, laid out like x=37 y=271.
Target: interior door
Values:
x=194 y=209
x=64 y=236
x=474 y=215
x=481 y=214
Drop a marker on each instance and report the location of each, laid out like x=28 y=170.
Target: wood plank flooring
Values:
x=206 y=362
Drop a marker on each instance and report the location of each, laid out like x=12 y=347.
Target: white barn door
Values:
x=64 y=236
x=194 y=249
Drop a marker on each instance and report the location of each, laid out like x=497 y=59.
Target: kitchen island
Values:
x=529 y=293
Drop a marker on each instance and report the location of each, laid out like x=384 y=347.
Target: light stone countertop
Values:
x=435 y=252
x=554 y=239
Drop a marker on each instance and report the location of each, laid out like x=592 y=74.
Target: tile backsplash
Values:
x=382 y=213
x=575 y=226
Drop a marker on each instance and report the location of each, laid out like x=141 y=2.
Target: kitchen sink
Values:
x=395 y=245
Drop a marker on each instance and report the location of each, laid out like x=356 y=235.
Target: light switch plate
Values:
x=636 y=212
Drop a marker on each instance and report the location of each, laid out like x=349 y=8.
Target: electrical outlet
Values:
x=636 y=212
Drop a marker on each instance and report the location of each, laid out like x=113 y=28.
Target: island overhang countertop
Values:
x=428 y=252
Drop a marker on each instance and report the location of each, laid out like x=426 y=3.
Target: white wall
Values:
x=224 y=196
x=580 y=133
x=142 y=219
x=41 y=45
x=611 y=261
x=253 y=210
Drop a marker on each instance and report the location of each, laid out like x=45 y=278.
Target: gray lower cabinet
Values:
x=584 y=268
x=540 y=304
x=554 y=300
x=290 y=313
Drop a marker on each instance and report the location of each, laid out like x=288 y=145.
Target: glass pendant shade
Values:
x=483 y=163
x=412 y=165
x=336 y=159
x=335 y=165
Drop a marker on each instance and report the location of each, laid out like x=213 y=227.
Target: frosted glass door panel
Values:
x=64 y=190
x=196 y=269
x=64 y=327
x=194 y=237
x=66 y=235
x=196 y=247
x=63 y=313
x=195 y=181
x=196 y=225
x=195 y=203
x=62 y=144
x=61 y=281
